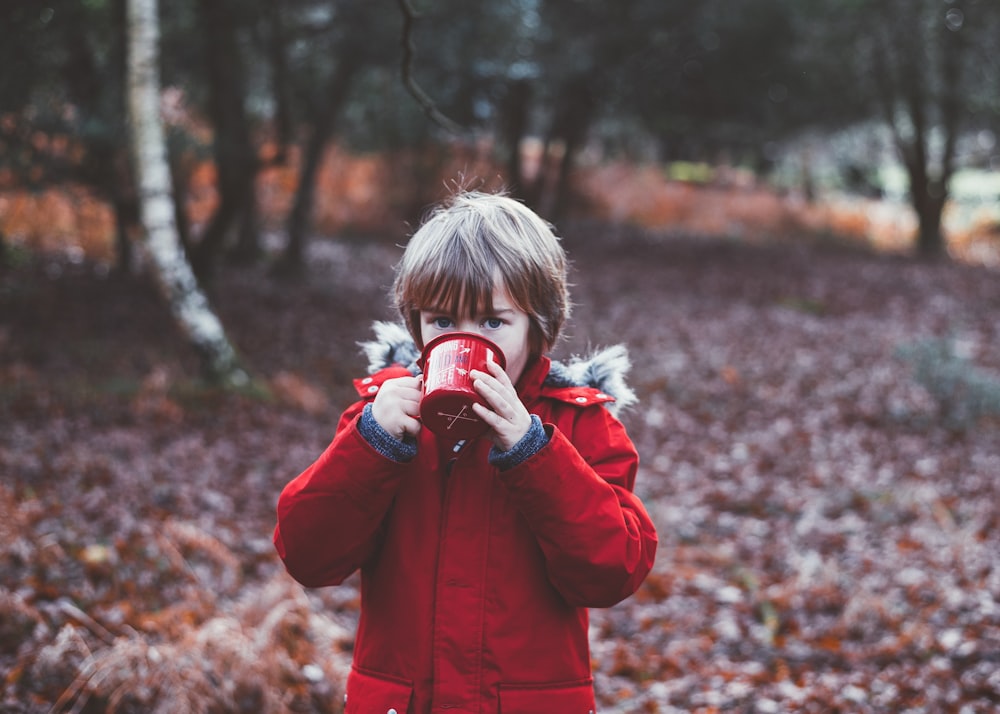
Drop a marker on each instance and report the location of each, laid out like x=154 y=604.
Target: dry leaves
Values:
x=829 y=529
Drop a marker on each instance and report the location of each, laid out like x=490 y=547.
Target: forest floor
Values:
x=819 y=428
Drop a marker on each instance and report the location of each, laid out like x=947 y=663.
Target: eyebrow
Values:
x=447 y=311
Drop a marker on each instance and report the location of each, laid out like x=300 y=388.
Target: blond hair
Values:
x=472 y=244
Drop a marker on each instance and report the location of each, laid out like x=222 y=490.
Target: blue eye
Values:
x=442 y=323
x=494 y=323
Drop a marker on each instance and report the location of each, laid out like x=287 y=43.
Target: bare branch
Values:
x=406 y=68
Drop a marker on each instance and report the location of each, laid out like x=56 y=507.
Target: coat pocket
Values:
x=368 y=692
x=565 y=698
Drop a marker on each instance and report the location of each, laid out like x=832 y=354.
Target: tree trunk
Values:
x=931 y=241
x=571 y=123
x=122 y=188
x=930 y=237
x=514 y=125
x=293 y=258
x=235 y=159
x=248 y=249
x=927 y=197
x=280 y=81
x=904 y=76
x=126 y=218
x=175 y=278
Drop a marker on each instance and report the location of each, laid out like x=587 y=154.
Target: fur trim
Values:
x=392 y=345
x=604 y=369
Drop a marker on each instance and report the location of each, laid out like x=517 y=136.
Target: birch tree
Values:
x=175 y=278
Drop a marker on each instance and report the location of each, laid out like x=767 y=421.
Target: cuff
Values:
x=529 y=445
x=384 y=442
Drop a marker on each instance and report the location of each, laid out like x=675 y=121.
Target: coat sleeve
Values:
x=330 y=516
x=598 y=541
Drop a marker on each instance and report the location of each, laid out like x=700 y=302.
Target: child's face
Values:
x=506 y=325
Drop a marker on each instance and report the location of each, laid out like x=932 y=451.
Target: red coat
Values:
x=475 y=583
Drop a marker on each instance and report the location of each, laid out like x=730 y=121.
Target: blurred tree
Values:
x=427 y=104
x=700 y=77
x=711 y=81
x=175 y=278
x=585 y=51
x=518 y=69
x=235 y=154
x=347 y=37
x=926 y=68
x=272 y=38
x=62 y=101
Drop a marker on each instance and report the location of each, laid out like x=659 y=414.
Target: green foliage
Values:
x=964 y=392
x=693 y=172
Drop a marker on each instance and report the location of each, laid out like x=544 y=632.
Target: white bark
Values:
x=175 y=278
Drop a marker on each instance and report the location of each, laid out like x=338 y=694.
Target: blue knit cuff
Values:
x=529 y=445
x=384 y=442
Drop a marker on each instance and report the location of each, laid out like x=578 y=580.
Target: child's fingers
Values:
x=411 y=426
x=497 y=371
x=495 y=397
x=505 y=413
x=496 y=376
x=507 y=430
x=397 y=405
x=488 y=415
x=495 y=392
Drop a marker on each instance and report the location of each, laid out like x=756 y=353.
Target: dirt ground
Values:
x=819 y=429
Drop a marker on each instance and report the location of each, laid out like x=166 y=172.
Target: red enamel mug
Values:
x=447 y=360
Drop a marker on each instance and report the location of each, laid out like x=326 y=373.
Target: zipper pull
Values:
x=451 y=462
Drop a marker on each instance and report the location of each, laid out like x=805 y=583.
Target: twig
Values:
x=406 y=68
x=67 y=608
x=77 y=690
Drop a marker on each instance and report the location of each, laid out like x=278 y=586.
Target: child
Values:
x=478 y=559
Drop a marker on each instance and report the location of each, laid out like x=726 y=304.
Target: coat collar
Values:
x=596 y=378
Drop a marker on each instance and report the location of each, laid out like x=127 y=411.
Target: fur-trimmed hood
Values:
x=604 y=369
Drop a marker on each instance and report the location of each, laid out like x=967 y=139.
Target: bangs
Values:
x=456 y=274
x=455 y=291
x=470 y=249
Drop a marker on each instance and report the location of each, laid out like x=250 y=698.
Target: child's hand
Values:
x=397 y=406
x=509 y=419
